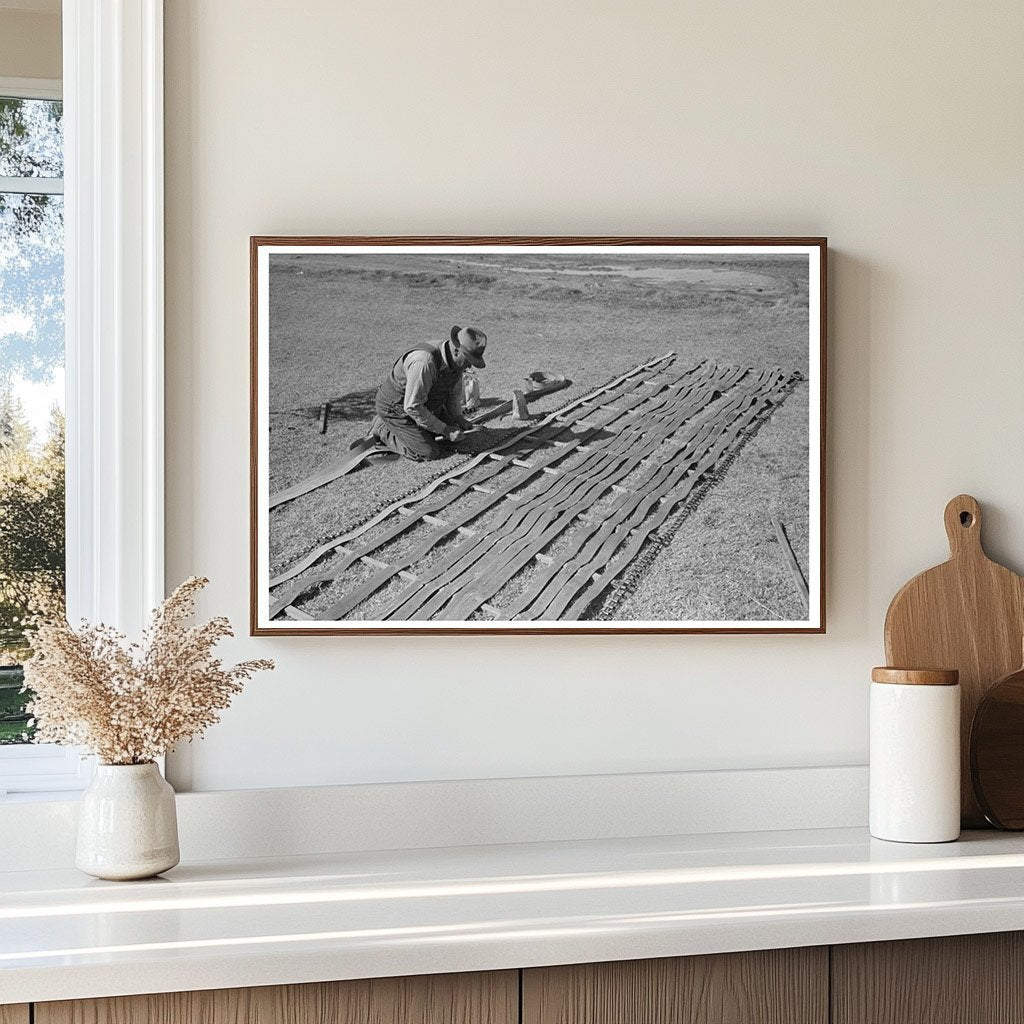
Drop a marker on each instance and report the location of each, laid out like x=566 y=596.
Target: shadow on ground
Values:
x=356 y=405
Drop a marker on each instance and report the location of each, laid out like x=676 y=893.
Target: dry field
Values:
x=337 y=323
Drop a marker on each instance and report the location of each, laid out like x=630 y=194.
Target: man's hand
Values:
x=457 y=431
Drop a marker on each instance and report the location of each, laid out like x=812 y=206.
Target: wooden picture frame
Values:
x=681 y=468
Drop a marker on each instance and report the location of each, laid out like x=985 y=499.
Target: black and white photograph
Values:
x=537 y=435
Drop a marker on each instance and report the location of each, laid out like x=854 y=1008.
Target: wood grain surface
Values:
x=482 y=998
x=14 y=1014
x=967 y=614
x=915 y=676
x=997 y=752
x=962 y=979
x=779 y=986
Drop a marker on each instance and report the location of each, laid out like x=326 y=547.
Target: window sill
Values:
x=41 y=797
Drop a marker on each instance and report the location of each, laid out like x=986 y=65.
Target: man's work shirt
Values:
x=421 y=374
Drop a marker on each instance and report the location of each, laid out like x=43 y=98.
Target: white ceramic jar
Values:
x=915 y=755
x=127 y=823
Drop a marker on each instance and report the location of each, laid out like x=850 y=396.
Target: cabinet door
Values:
x=14 y=1014
x=490 y=998
x=962 y=979
x=777 y=986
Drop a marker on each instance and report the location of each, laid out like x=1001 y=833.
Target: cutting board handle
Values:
x=963 y=527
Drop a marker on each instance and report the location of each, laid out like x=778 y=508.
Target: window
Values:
x=32 y=531
x=31 y=383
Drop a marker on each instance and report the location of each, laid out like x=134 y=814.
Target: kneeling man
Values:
x=422 y=396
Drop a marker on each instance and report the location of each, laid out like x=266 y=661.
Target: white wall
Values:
x=895 y=129
x=30 y=41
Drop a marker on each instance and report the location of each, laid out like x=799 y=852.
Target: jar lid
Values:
x=916 y=676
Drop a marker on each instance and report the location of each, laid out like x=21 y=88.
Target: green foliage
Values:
x=32 y=543
x=31 y=548
x=14 y=727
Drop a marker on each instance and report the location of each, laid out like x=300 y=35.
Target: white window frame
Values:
x=114 y=324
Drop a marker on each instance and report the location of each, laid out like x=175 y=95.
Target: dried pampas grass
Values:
x=129 y=703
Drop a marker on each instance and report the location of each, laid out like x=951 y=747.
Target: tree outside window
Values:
x=32 y=542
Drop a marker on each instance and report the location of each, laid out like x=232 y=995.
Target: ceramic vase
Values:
x=127 y=825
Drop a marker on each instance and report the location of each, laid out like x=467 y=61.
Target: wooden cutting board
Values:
x=967 y=614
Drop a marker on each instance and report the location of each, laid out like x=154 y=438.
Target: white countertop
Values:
x=351 y=915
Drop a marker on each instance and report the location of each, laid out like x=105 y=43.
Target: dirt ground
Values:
x=338 y=322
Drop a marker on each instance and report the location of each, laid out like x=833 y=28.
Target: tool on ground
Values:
x=520 y=411
x=794 y=566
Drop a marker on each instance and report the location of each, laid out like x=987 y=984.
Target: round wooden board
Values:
x=997 y=752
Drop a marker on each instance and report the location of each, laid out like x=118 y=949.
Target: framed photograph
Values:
x=537 y=435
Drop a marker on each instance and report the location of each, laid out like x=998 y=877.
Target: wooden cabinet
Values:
x=777 y=986
x=491 y=998
x=962 y=979
x=967 y=979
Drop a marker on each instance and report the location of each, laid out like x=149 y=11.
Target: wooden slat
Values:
x=516 y=547
x=14 y=1014
x=543 y=515
x=483 y=998
x=962 y=979
x=408 y=520
x=637 y=531
x=780 y=986
x=632 y=533
x=410 y=517
x=549 y=512
x=584 y=559
x=550 y=596
x=476 y=569
x=561 y=416
x=368 y=587
x=591 y=477
x=485 y=567
x=494 y=574
x=632 y=545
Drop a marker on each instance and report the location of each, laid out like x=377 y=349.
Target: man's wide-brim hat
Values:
x=472 y=341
